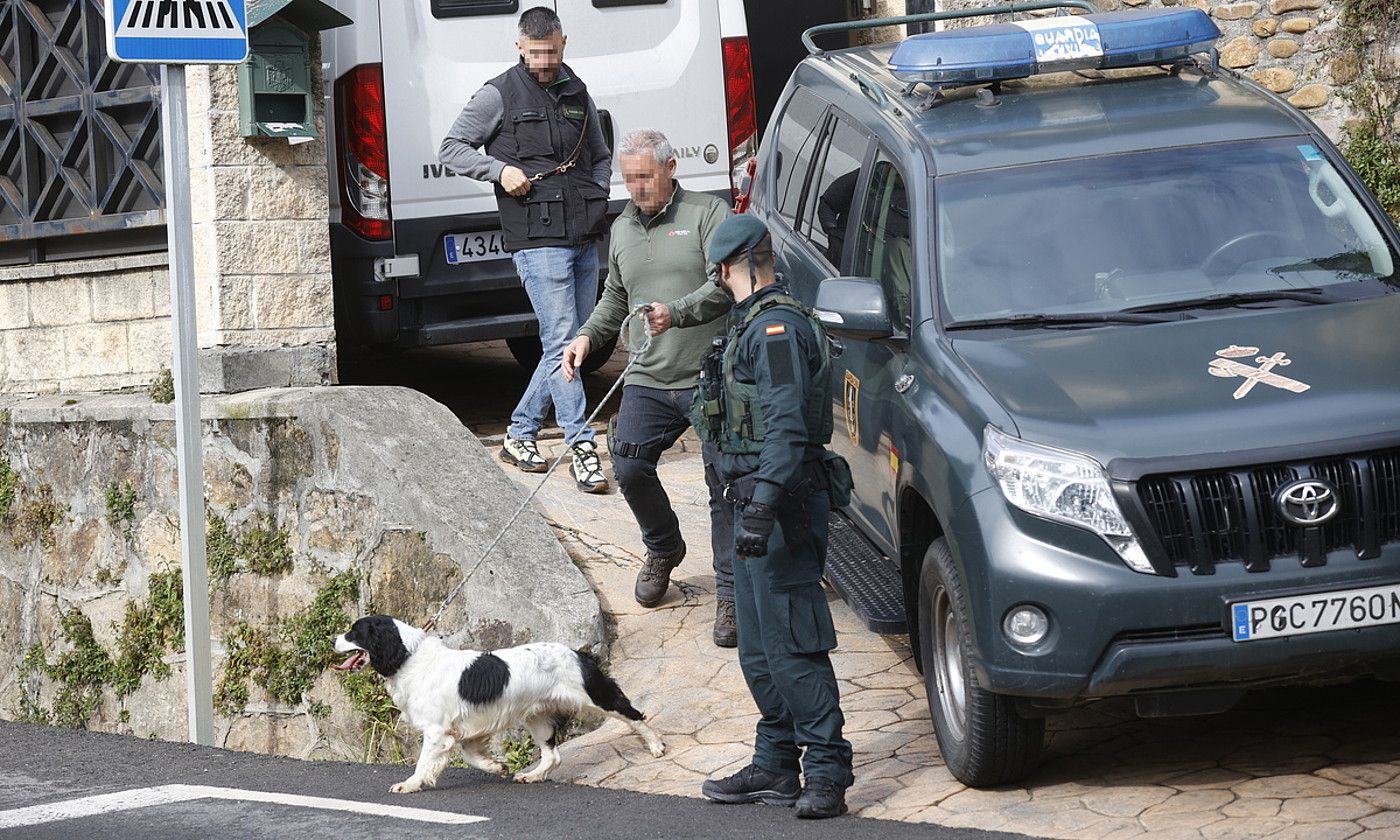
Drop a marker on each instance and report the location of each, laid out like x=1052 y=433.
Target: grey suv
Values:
x=1121 y=375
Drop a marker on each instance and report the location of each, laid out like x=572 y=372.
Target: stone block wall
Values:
x=260 y=225
x=85 y=325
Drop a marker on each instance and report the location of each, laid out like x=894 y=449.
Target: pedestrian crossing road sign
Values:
x=177 y=31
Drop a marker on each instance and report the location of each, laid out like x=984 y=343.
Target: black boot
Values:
x=726 y=634
x=821 y=798
x=753 y=784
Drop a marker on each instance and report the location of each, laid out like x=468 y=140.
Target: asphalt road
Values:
x=42 y=765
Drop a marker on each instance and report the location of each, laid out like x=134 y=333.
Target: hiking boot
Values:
x=587 y=468
x=821 y=798
x=525 y=454
x=726 y=634
x=753 y=784
x=655 y=576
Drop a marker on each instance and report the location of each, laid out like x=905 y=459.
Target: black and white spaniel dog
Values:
x=461 y=698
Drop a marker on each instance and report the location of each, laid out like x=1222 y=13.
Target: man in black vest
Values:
x=546 y=154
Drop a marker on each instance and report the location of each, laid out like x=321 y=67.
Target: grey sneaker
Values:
x=587 y=468
x=525 y=454
x=655 y=576
x=753 y=784
x=726 y=633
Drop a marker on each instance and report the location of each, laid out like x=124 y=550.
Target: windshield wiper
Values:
x=1063 y=319
x=1311 y=294
x=1347 y=262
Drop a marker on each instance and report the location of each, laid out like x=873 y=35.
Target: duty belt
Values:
x=812 y=478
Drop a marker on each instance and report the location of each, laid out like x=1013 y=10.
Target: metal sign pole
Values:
x=199 y=672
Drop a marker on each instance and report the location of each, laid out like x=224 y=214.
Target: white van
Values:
x=416 y=250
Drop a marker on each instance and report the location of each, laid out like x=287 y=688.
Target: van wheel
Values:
x=981 y=737
x=527 y=351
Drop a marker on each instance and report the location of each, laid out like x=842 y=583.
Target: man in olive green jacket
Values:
x=657 y=253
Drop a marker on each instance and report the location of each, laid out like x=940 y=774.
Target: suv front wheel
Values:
x=980 y=735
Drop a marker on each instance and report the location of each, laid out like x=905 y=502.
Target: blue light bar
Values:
x=1044 y=45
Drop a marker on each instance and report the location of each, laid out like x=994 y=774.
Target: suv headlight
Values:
x=1063 y=486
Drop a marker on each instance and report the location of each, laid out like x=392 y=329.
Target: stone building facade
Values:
x=262 y=271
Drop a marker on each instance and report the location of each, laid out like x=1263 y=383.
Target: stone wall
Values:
x=85 y=325
x=1281 y=44
x=323 y=504
x=262 y=274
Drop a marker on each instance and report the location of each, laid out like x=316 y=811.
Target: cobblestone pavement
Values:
x=1307 y=764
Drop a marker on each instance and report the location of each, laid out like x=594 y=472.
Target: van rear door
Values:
x=437 y=53
x=657 y=65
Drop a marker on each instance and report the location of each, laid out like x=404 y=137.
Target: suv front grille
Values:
x=1202 y=519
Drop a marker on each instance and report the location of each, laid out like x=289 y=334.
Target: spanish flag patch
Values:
x=776 y=329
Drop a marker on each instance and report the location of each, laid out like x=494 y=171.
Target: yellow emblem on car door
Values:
x=852 y=394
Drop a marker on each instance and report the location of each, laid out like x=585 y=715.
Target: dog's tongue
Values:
x=356 y=660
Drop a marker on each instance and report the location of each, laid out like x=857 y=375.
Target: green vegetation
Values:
x=85 y=669
x=1376 y=159
x=9 y=489
x=36 y=518
x=285 y=660
x=265 y=549
x=1365 y=48
x=162 y=389
x=121 y=507
x=365 y=689
x=518 y=753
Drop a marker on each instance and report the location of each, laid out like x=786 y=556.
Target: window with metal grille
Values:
x=80 y=157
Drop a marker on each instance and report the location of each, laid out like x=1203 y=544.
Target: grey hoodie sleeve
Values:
x=478 y=123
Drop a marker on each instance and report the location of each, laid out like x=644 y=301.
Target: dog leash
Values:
x=636 y=355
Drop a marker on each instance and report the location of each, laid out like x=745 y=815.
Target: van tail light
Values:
x=739 y=104
x=362 y=145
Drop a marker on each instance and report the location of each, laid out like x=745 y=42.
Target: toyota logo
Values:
x=1307 y=501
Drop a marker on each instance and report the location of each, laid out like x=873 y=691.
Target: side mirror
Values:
x=853 y=307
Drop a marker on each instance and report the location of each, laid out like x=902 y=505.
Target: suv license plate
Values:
x=1317 y=613
x=475 y=247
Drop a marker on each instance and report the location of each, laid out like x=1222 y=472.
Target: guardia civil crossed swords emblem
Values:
x=1227 y=366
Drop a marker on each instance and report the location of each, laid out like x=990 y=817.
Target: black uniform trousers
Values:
x=785 y=635
x=649 y=422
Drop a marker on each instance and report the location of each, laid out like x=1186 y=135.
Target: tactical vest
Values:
x=537 y=134
x=735 y=419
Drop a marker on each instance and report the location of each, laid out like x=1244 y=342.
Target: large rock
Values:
x=429 y=476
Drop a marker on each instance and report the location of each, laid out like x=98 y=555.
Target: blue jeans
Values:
x=563 y=287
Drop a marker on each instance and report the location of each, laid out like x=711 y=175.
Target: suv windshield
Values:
x=1152 y=228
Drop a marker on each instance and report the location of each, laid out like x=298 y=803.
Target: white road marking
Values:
x=127 y=800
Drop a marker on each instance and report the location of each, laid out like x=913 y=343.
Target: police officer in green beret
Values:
x=770 y=412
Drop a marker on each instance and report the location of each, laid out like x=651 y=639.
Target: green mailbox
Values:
x=274 y=84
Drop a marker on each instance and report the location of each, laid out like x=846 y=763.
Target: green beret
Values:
x=739 y=232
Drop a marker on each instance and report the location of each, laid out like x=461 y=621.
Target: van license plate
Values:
x=1317 y=613
x=475 y=247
